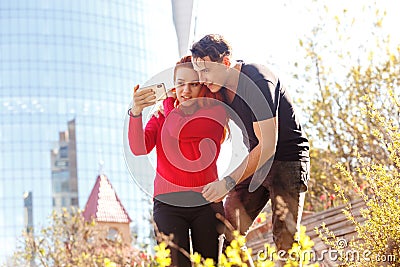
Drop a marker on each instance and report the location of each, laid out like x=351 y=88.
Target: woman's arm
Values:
x=142 y=141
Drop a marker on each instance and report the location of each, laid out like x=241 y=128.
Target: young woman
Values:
x=187 y=138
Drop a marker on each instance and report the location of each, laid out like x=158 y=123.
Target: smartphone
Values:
x=159 y=90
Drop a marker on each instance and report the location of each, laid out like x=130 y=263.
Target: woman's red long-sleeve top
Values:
x=187 y=146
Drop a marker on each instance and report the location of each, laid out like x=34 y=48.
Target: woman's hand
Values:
x=141 y=99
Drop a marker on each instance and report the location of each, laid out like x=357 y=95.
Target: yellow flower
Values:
x=109 y=263
x=196 y=257
x=235 y=233
x=234 y=244
x=223 y=261
x=241 y=240
x=209 y=263
x=162 y=255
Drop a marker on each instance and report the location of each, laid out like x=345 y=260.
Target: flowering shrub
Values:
x=238 y=255
x=379 y=235
x=70 y=241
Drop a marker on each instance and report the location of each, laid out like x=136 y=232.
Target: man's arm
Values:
x=267 y=134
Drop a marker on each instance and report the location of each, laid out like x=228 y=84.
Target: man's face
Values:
x=212 y=74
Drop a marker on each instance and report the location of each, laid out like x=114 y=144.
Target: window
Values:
x=113 y=234
x=60 y=181
x=64 y=152
x=74 y=201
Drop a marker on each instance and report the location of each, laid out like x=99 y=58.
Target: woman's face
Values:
x=187 y=86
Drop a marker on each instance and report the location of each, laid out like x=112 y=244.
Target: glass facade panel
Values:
x=72 y=59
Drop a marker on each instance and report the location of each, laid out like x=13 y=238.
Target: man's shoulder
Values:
x=257 y=70
x=257 y=75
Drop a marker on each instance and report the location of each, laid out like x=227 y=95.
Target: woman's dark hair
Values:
x=212 y=45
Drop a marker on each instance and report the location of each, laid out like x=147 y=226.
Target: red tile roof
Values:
x=104 y=205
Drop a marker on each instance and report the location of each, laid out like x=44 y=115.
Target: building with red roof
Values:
x=106 y=209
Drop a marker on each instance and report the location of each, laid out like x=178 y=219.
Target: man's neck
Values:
x=232 y=81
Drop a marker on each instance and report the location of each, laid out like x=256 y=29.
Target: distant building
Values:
x=28 y=211
x=106 y=209
x=73 y=60
x=64 y=170
x=185 y=23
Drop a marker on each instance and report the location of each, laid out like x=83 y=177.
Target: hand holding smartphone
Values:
x=158 y=89
x=147 y=96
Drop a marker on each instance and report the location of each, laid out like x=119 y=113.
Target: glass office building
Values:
x=72 y=60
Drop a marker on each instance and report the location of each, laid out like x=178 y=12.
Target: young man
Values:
x=277 y=166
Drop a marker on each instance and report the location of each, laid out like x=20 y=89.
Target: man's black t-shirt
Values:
x=261 y=96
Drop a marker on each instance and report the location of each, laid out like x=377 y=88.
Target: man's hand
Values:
x=171 y=93
x=215 y=191
x=160 y=109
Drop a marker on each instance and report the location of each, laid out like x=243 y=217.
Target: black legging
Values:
x=205 y=229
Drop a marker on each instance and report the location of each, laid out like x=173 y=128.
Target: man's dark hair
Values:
x=212 y=45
